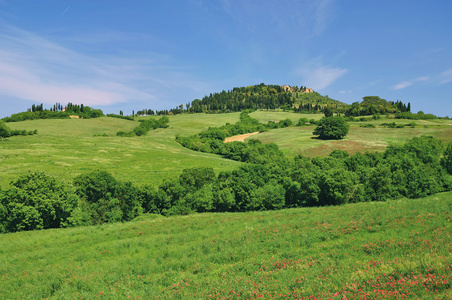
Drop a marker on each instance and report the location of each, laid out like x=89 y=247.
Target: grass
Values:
x=299 y=140
x=67 y=148
x=383 y=250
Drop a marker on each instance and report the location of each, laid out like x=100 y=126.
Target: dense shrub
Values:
x=331 y=128
x=145 y=126
x=36 y=201
x=446 y=161
x=105 y=199
x=130 y=118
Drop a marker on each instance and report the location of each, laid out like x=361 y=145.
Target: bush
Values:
x=36 y=201
x=4 y=131
x=107 y=200
x=303 y=122
x=446 y=161
x=331 y=128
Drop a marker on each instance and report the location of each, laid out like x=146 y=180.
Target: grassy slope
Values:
x=66 y=148
x=299 y=140
x=361 y=251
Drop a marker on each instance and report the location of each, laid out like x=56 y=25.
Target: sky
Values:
x=131 y=55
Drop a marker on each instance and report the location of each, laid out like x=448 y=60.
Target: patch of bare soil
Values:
x=240 y=137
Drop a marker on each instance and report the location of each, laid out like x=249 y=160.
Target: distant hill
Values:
x=260 y=96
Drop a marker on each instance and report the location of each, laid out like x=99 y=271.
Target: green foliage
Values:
x=367 y=125
x=85 y=112
x=375 y=106
x=260 y=96
x=196 y=178
x=252 y=152
x=331 y=128
x=145 y=126
x=130 y=118
x=4 y=130
x=36 y=201
x=417 y=116
x=303 y=122
x=446 y=160
x=107 y=200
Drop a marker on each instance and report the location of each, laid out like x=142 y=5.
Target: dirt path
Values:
x=239 y=138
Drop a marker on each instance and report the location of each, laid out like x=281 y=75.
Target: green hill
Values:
x=260 y=96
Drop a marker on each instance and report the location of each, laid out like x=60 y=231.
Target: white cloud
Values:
x=402 y=85
x=405 y=84
x=322 y=15
x=445 y=77
x=321 y=77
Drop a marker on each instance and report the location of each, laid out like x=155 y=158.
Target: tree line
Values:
x=56 y=112
x=6 y=132
x=297 y=99
x=145 y=126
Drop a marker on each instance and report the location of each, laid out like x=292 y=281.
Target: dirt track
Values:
x=239 y=138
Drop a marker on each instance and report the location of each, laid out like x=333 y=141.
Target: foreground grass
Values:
x=388 y=250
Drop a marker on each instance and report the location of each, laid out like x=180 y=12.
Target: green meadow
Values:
x=399 y=249
x=67 y=148
x=299 y=140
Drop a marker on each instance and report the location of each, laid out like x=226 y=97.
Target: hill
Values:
x=259 y=96
x=389 y=250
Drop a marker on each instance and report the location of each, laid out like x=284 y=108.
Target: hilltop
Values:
x=259 y=96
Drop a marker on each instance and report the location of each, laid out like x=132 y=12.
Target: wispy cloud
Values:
x=405 y=84
x=322 y=16
x=37 y=69
x=304 y=18
x=445 y=77
x=319 y=77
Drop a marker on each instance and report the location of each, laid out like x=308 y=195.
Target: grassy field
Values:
x=299 y=140
x=67 y=148
x=383 y=250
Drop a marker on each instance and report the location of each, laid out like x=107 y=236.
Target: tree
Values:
x=107 y=200
x=446 y=161
x=4 y=131
x=332 y=128
x=328 y=112
x=36 y=201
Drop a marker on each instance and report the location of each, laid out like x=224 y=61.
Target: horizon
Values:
x=131 y=56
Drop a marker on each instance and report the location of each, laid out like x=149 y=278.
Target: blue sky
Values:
x=130 y=55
